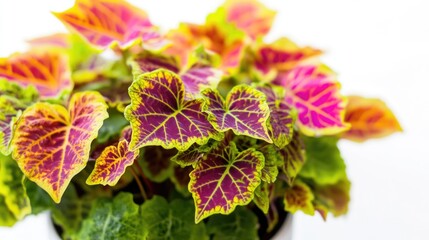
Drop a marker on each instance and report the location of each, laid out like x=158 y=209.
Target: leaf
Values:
x=60 y=40
x=105 y=22
x=252 y=17
x=160 y=115
x=299 y=197
x=245 y=111
x=52 y=144
x=324 y=164
x=271 y=154
x=111 y=219
x=262 y=197
x=7 y=218
x=282 y=117
x=195 y=78
x=219 y=37
x=68 y=213
x=240 y=224
x=199 y=77
x=39 y=199
x=270 y=170
x=281 y=55
x=48 y=71
x=12 y=188
x=369 y=118
x=313 y=91
x=113 y=161
x=156 y=163
x=191 y=155
x=293 y=158
x=13 y=99
x=225 y=178
x=163 y=220
x=334 y=197
x=112 y=126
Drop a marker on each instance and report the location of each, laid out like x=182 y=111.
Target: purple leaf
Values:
x=160 y=115
x=225 y=178
x=245 y=111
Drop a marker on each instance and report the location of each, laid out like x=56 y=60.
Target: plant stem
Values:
x=139 y=183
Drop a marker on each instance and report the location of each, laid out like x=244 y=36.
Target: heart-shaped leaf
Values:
x=314 y=92
x=225 y=178
x=111 y=164
x=105 y=22
x=160 y=115
x=245 y=111
x=51 y=144
x=369 y=118
x=48 y=71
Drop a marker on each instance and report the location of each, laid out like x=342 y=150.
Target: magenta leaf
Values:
x=245 y=111
x=111 y=164
x=313 y=90
x=225 y=178
x=160 y=115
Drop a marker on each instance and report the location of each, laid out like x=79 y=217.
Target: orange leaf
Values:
x=369 y=118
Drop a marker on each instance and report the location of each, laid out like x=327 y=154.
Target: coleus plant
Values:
x=204 y=131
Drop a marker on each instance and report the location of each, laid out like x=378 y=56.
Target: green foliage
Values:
x=169 y=221
x=241 y=224
x=12 y=189
x=113 y=219
x=324 y=163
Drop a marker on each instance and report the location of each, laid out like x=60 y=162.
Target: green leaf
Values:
x=39 y=199
x=270 y=170
x=12 y=188
x=324 y=163
x=171 y=221
x=114 y=219
x=68 y=213
x=7 y=218
x=13 y=99
x=112 y=126
x=241 y=224
x=262 y=197
x=293 y=158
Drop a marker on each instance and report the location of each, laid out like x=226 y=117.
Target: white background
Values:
x=378 y=47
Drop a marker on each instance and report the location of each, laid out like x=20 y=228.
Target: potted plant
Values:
x=205 y=131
